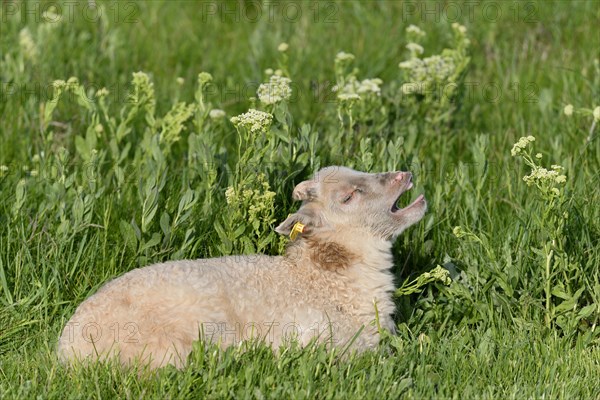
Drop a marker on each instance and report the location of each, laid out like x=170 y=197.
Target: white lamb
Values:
x=332 y=281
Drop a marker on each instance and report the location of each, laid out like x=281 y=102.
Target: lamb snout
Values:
x=403 y=178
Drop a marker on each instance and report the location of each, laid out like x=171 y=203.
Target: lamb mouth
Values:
x=395 y=209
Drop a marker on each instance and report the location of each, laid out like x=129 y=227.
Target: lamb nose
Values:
x=400 y=176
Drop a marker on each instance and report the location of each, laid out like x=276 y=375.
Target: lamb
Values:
x=332 y=283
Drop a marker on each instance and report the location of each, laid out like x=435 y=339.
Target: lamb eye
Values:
x=347 y=198
x=350 y=195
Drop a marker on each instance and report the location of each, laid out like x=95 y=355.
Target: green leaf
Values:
x=165 y=223
x=587 y=311
x=128 y=233
x=154 y=240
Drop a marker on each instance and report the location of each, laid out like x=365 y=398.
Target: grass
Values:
x=520 y=317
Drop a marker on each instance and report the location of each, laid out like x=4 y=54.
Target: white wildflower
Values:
x=426 y=72
x=407 y=64
x=27 y=44
x=180 y=81
x=204 y=78
x=269 y=71
x=538 y=155
x=354 y=89
x=458 y=232
x=459 y=28
x=51 y=15
x=59 y=84
x=521 y=144
x=102 y=92
x=276 y=90
x=283 y=47
x=370 y=85
x=410 y=88
x=253 y=120
x=348 y=96
x=72 y=83
x=415 y=48
x=343 y=56
x=230 y=195
x=216 y=113
x=415 y=30
x=568 y=110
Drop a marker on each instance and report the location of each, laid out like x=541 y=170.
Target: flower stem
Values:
x=548 y=289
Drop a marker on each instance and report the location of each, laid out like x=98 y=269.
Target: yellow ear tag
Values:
x=298 y=228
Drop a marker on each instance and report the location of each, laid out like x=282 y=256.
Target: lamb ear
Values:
x=305 y=216
x=306 y=190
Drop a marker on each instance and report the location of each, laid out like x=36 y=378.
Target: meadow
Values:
x=126 y=139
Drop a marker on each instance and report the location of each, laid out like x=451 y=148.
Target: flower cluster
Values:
x=434 y=77
x=415 y=49
x=142 y=94
x=276 y=90
x=426 y=72
x=569 y=110
x=438 y=274
x=461 y=38
x=342 y=56
x=51 y=15
x=103 y=92
x=255 y=204
x=415 y=31
x=459 y=28
x=253 y=120
x=216 y=113
x=27 y=44
x=541 y=175
x=521 y=145
x=353 y=89
x=546 y=180
x=204 y=78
